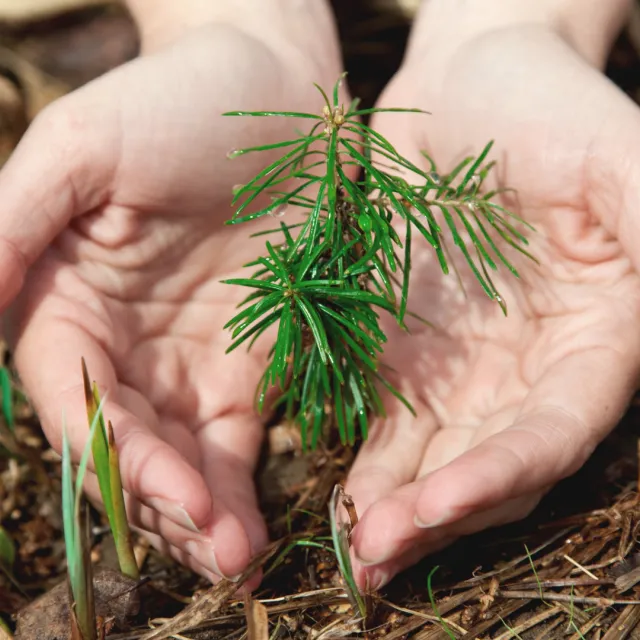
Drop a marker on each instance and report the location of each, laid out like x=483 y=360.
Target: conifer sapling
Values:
x=323 y=283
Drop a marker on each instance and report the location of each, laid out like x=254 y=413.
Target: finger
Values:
x=373 y=578
x=562 y=420
x=179 y=555
x=566 y=414
x=408 y=544
x=455 y=439
x=230 y=447
x=60 y=169
x=48 y=359
x=203 y=547
x=391 y=456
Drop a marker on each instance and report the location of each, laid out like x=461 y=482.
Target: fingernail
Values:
x=174 y=511
x=213 y=578
x=445 y=518
x=203 y=552
x=376 y=580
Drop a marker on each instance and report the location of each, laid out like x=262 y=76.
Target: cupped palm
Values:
x=507 y=406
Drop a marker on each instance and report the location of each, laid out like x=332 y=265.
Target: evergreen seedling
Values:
x=323 y=282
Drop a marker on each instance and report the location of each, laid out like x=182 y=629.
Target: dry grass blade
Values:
x=507 y=568
x=423 y=616
x=202 y=609
x=257 y=619
x=340 y=533
x=514 y=632
x=564 y=597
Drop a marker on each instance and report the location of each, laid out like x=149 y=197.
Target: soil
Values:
x=570 y=570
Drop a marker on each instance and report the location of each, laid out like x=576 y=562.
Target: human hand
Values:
x=506 y=406
x=112 y=233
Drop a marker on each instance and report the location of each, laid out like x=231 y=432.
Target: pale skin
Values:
x=112 y=236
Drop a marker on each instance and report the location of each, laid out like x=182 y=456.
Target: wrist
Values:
x=589 y=26
x=307 y=26
x=160 y=22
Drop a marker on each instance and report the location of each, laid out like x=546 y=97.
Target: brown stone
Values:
x=47 y=618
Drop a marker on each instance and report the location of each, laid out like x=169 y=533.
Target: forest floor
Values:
x=570 y=570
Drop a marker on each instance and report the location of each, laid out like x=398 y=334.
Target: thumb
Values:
x=61 y=169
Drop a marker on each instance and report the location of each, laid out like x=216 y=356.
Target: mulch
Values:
x=570 y=570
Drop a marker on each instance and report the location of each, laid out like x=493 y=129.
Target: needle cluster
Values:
x=326 y=280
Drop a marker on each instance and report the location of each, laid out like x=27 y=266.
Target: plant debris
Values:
x=571 y=570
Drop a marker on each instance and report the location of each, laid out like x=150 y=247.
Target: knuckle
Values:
x=64 y=124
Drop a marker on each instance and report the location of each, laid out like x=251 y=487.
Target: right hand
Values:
x=506 y=407
x=112 y=239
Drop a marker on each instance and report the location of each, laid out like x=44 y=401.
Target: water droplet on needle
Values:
x=279 y=211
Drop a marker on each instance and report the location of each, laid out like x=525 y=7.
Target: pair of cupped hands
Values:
x=112 y=247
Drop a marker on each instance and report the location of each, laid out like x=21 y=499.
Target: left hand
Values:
x=112 y=232
x=507 y=406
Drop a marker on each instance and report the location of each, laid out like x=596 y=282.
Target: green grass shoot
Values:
x=9 y=446
x=105 y=457
x=7 y=550
x=514 y=633
x=311 y=514
x=340 y=537
x=7 y=398
x=535 y=573
x=306 y=542
x=75 y=536
x=5 y=632
x=7 y=553
x=572 y=623
x=7 y=559
x=322 y=285
x=445 y=627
